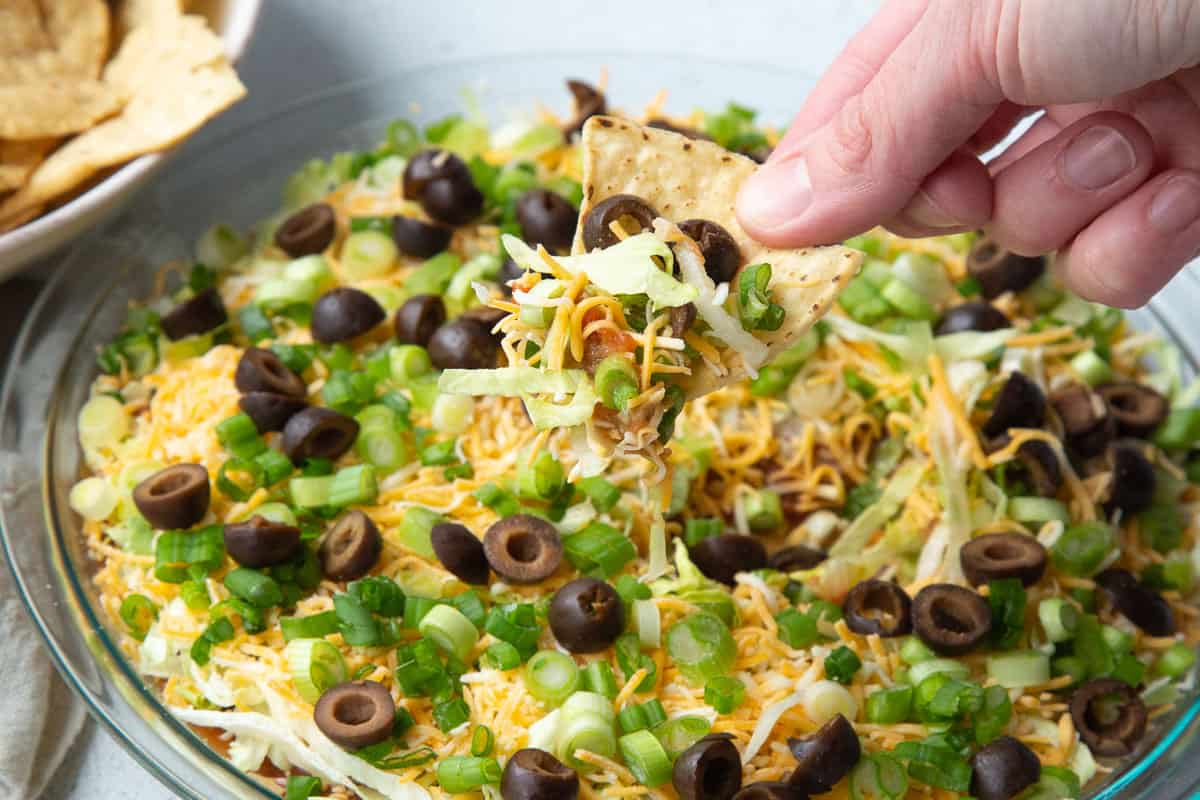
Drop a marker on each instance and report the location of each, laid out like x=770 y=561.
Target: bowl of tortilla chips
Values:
x=93 y=95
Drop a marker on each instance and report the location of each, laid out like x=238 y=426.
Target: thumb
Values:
x=864 y=165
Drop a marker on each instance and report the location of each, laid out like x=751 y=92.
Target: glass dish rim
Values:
x=120 y=667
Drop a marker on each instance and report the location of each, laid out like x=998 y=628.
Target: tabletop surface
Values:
x=304 y=45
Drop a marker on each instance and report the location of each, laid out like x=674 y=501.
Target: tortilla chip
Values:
x=78 y=30
x=175 y=45
x=134 y=14
x=54 y=107
x=154 y=120
x=690 y=179
x=21 y=31
x=19 y=220
x=18 y=160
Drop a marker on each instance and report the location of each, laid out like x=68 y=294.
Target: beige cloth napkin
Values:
x=40 y=717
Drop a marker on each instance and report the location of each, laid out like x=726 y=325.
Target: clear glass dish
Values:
x=238 y=181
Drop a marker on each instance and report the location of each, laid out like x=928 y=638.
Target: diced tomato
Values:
x=603 y=343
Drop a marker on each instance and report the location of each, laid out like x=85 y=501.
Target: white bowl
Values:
x=233 y=21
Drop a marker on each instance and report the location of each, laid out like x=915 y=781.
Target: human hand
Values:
x=1110 y=176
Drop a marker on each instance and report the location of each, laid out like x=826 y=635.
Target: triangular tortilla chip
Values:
x=691 y=179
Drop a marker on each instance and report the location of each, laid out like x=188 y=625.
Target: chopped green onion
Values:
x=907 y=300
x=516 y=625
x=310 y=491
x=598 y=677
x=543 y=478
x=315 y=665
x=239 y=492
x=1019 y=669
x=889 y=706
x=382 y=446
x=764 y=511
x=315 y=626
x=936 y=765
x=93 y=498
x=1036 y=510
x=646 y=758
x=409 y=361
x=551 y=676
x=138 y=613
x=616 y=382
x=697 y=529
x=450 y=714
x=1091 y=368
x=878 y=775
x=599 y=550
x=841 y=664
x=1006 y=600
x=858 y=384
x=417 y=666
x=450 y=630
x=756 y=309
x=1059 y=619
x=501 y=656
x=796 y=629
x=1173 y=574
x=1180 y=430
x=219 y=247
x=239 y=436
x=495 y=498
x=434 y=275
x=702 y=647
x=1175 y=662
x=924 y=669
x=1082 y=548
x=914 y=651
x=301 y=787
x=680 y=733
x=296 y=357
x=439 y=453
x=218 y=631
x=1161 y=527
x=368 y=254
x=451 y=413
x=357 y=626
x=275 y=466
x=257 y=589
x=603 y=494
x=176 y=551
x=631 y=659
x=481 y=741
x=415 y=609
x=725 y=694
x=1129 y=669
x=471 y=607
x=255 y=324
x=353 y=486
x=415 y=529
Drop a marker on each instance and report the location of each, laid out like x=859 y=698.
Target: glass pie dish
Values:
x=237 y=181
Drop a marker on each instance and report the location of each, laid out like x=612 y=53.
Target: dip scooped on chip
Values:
x=664 y=299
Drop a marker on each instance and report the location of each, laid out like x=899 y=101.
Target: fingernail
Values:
x=1098 y=157
x=926 y=213
x=1176 y=205
x=776 y=194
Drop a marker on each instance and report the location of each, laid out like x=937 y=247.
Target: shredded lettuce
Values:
x=968 y=345
x=625 y=268
x=510 y=381
x=688 y=575
x=854 y=539
x=545 y=414
x=925 y=276
x=914 y=346
x=956 y=517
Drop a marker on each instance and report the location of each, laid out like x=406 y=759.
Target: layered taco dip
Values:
x=504 y=463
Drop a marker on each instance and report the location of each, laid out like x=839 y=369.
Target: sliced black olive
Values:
x=174 y=498
x=308 y=231
x=875 y=606
x=546 y=218
x=1137 y=602
x=795 y=558
x=533 y=774
x=350 y=548
x=1132 y=486
x=356 y=714
x=1003 y=769
x=453 y=201
x=418 y=318
x=428 y=166
x=589 y=101
x=975 y=315
x=259 y=542
x=318 y=432
x=1087 y=425
x=1137 y=409
x=951 y=619
x=619 y=207
x=711 y=769
x=1109 y=715
x=1020 y=404
x=722 y=256
x=260 y=370
x=461 y=552
x=485 y=316
x=682 y=318
x=682 y=130
x=344 y=313
x=270 y=411
x=770 y=790
x=999 y=271
x=418 y=238
x=523 y=548
x=723 y=557
x=825 y=757
x=586 y=615
x=1003 y=555
x=1039 y=463
x=463 y=344
x=200 y=314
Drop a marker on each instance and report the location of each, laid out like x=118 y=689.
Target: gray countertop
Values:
x=302 y=46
